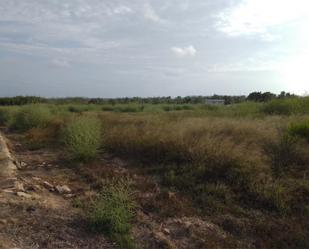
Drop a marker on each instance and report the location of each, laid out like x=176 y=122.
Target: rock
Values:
x=3 y=221
x=19 y=187
x=187 y=224
x=23 y=195
x=17 y=163
x=166 y=231
x=63 y=189
x=42 y=164
x=68 y=196
x=162 y=241
x=23 y=164
x=49 y=186
x=8 y=191
x=171 y=195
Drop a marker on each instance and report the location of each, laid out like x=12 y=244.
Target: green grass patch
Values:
x=300 y=129
x=112 y=213
x=82 y=136
x=31 y=116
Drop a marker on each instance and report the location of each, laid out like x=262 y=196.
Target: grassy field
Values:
x=246 y=162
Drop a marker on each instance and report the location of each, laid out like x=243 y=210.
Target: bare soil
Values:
x=42 y=217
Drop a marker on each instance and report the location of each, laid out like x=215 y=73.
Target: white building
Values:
x=215 y=101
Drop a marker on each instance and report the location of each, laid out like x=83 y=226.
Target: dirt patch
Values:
x=32 y=215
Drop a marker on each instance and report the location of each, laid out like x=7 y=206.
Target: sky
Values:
x=103 y=48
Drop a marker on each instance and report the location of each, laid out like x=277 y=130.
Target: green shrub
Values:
x=107 y=108
x=76 y=109
x=112 y=213
x=300 y=130
x=171 y=107
x=5 y=116
x=284 y=106
x=129 y=108
x=32 y=116
x=82 y=136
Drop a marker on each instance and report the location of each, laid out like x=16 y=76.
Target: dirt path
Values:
x=36 y=208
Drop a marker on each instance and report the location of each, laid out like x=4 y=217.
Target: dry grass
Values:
x=225 y=165
x=241 y=166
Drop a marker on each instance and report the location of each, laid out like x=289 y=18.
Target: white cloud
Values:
x=184 y=51
x=57 y=29
x=122 y=10
x=258 y=17
x=151 y=14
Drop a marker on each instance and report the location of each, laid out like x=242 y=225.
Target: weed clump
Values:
x=6 y=116
x=82 y=136
x=300 y=130
x=32 y=116
x=112 y=213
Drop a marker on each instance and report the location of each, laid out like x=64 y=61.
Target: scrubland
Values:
x=243 y=166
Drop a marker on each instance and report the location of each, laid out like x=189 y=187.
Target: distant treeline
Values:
x=254 y=96
x=170 y=100
x=22 y=100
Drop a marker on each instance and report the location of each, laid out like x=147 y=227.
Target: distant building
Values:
x=215 y=101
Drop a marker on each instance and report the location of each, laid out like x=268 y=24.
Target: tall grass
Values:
x=239 y=153
x=300 y=129
x=31 y=116
x=82 y=136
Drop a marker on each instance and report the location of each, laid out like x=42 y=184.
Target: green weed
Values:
x=32 y=116
x=82 y=136
x=112 y=213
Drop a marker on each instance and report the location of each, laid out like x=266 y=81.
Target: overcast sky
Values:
x=104 y=48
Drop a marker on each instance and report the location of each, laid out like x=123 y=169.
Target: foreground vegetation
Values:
x=247 y=161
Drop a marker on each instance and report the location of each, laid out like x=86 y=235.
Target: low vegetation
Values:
x=112 y=213
x=32 y=116
x=248 y=161
x=82 y=137
x=300 y=130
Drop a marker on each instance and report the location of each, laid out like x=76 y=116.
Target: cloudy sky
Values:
x=103 y=48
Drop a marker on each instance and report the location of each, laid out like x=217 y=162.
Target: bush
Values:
x=300 y=130
x=107 y=108
x=32 y=116
x=5 y=116
x=76 y=109
x=82 y=136
x=286 y=106
x=112 y=213
x=170 y=107
x=129 y=108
